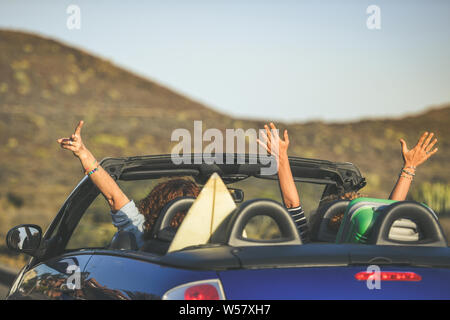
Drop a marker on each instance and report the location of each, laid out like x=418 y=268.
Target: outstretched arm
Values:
x=107 y=186
x=412 y=159
x=287 y=185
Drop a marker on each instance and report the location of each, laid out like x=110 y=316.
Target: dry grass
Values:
x=14 y=262
x=445 y=223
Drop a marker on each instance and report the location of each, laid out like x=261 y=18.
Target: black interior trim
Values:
x=155 y=174
x=430 y=231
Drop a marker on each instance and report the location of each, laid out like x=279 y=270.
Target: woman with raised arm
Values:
x=411 y=160
x=289 y=191
x=125 y=214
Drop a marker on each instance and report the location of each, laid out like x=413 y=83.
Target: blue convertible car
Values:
x=255 y=253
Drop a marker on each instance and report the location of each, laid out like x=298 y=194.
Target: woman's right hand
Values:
x=107 y=186
x=273 y=143
x=74 y=143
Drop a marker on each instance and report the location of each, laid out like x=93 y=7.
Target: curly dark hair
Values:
x=161 y=194
x=335 y=222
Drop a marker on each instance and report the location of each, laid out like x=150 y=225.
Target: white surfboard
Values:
x=212 y=206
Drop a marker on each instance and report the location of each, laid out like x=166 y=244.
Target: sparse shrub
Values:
x=14 y=199
x=435 y=195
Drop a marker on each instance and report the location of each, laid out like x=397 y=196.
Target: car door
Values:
x=57 y=272
x=59 y=278
x=126 y=275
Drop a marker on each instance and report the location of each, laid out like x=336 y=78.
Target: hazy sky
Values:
x=290 y=60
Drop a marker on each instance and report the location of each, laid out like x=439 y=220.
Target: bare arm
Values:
x=288 y=188
x=107 y=186
x=412 y=159
x=287 y=185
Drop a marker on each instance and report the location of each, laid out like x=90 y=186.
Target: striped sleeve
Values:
x=298 y=215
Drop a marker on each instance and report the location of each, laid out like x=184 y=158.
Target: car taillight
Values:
x=201 y=292
x=389 y=276
x=198 y=290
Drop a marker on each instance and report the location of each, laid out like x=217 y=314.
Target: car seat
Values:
x=320 y=230
x=123 y=240
x=409 y=223
x=422 y=219
x=162 y=233
x=231 y=231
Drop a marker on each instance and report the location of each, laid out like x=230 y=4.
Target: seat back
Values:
x=231 y=231
x=180 y=204
x=387 y=222
x=320 y=230
x=161 y=244
x=123 y=240
x=162 y=233
x=418 y=224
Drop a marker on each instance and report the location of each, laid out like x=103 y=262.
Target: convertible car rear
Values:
x=255 y=252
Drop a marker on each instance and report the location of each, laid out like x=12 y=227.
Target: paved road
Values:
x=3 y=291
x=7 y=276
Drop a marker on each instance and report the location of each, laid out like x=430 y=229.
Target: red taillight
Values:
x=201 y=292
x=389 y=276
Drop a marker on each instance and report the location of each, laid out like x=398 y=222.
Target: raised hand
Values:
x=272 y=142
x=421 y=152
x=412 y=159
x=278 y=148
x=74 y=143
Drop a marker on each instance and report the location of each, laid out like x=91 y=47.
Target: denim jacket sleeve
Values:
x=129 y=219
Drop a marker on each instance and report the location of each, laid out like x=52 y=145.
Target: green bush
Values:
x=435 y=195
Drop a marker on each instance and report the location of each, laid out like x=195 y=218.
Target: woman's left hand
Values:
x=421 y=152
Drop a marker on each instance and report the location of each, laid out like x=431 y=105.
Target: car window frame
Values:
x=61 y=229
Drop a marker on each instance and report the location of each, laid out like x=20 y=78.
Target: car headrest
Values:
x=429 y=229
x=231 y=231
x=123 y=240
x=404 y=230
x=320 y=230
x=169 y=211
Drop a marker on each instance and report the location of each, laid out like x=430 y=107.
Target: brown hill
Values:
x=46 y=87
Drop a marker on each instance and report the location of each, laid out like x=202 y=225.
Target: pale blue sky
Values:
x=290 y=60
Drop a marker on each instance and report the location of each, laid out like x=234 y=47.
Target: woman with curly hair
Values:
x=161 y=194
x=125 y=214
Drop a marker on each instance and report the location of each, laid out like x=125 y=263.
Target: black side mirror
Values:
x=237 y=194
x=24 y=238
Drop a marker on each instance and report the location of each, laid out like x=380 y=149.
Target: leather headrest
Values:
x=231 y=231
x=180 y=204
x=319 y=229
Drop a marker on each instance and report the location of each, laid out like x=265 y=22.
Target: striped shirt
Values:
x=298 y=215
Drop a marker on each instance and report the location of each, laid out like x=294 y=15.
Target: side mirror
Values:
x=24 y=238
